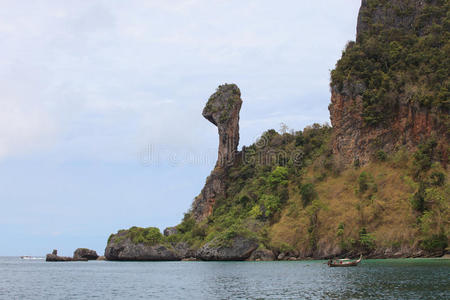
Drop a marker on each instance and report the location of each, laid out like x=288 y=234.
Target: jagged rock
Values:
x=386 y=16
x=54 y=257
x=121 y=247
x=170 y=231
x=240 y=249
x=222 y=110
x=184 y=250
x=101 y=258
x=84 y=253
x=262 y=255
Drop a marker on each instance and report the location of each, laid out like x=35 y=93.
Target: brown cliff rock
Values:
x=353 y=140
x=222 y=110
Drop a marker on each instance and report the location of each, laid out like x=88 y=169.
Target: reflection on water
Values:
x=373 y=279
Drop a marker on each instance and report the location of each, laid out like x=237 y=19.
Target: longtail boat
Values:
x=344 y=262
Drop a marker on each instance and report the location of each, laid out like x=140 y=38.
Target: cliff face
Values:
x=222 y=109
x=353 y=141
x=390 y=88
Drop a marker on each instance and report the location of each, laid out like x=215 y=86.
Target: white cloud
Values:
x=96 y=77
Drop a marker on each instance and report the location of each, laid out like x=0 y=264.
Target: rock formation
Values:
x=84 y=253
x=222 y=109
x=353 y=140
x=170 y=231
x=54 y=257
x=121 y=247
x=240 y=249
x=262 y=255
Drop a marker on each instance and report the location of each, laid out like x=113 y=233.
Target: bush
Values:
x=435 y=243
x=271 y=204
x=437 y=178
x=340 y=230
x=308 y=193
x=418 y=199
x=187 y=224
x=381 y=155
x=423 y=158
x=278 y=176
x=149 y=236
x=363 y=181
x=366 y=240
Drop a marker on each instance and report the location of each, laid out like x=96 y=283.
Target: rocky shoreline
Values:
x=240 y=249
x=81 y=254
x=120 y=247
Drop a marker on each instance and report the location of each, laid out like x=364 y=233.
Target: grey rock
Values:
x=262 y=255
x=54 y=257
x=170 y=231
x=121 y=247
x=84 y=253
x=222 y=109
x=240 y=249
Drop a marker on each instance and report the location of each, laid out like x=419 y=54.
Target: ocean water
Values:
x=372 y=279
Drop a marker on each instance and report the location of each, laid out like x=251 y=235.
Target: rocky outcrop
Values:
x=262 y=255
x=170 y=231
x=54 y=257
x=355 y=141
x=240 y=248
x=84 y=253
x=126 y=250
x=121 y=247
x=222 y=109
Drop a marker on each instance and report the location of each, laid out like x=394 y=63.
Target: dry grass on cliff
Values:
x=385 y=212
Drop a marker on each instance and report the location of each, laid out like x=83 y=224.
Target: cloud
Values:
x=100 y=79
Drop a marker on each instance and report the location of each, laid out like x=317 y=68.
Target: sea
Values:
x=372 y=279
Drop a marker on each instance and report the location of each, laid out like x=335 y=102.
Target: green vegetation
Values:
x=291 y=195
x=391 y=62
x=149 y=236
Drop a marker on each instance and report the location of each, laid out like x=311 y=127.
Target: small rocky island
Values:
x=81 y=254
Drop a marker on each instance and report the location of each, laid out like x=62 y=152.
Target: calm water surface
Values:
x=373 y=279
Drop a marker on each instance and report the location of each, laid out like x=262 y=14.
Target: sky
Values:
x=100 y=120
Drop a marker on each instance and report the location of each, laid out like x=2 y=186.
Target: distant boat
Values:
x=31 y=257
x=344 y=262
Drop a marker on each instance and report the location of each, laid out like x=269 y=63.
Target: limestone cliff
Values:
x=222 y=109
x=390 y=88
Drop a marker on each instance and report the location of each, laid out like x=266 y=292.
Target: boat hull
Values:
x=345 y=264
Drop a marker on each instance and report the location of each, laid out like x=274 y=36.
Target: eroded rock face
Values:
x=262 y=255
x=170 y=231
x=54 y=257
x=222 y=110
x=384 y=14
x=84 y=253
x=354 y=141
x=121 y=247
x=240 y=249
